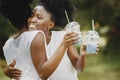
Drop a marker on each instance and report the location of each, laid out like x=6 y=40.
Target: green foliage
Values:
x=2 y=66
x=35 y=2
x=5 y=27
x=101 y=67
x=103 y=11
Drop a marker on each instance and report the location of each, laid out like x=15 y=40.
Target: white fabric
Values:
x=65 y=70
x=19 y=49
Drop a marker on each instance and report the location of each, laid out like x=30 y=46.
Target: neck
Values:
x=48 y=36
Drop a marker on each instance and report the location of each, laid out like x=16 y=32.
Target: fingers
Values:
x=12 y=72
x=97 y=49
x=71 y=37
x=15 y=74
x=13 y=63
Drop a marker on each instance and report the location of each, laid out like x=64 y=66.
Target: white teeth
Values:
x=32 y=26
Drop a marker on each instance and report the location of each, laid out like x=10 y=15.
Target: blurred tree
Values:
x=5 y=30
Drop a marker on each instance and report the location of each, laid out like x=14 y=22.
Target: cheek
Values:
x=41 y=25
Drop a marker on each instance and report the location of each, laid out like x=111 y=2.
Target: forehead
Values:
x=40 y=10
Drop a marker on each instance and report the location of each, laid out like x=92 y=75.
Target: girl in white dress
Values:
x=67 y=57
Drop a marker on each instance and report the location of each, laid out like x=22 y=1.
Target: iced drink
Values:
x=74 y=27
x=92 y=39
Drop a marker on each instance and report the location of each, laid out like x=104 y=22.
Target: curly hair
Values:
x=57 y=9
x=16 y=11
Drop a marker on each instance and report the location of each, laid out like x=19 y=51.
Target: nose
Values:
x=33 y=20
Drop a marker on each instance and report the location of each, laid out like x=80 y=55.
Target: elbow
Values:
x=80 y=68
x=43 y=73
x=43 y=76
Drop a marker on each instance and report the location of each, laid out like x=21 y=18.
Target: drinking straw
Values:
x=93 y=25
x=67 y=16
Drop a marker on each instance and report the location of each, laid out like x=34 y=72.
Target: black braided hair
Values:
x=57 y=9
x=16 y=11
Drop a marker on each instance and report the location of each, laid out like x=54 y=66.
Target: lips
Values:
x=32 y=26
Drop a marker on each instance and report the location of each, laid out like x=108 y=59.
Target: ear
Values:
x=51 y=25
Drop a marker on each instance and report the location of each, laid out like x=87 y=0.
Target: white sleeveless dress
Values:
x=19 y=49
x=65 y=70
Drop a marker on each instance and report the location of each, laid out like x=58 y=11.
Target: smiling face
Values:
x=41 y=19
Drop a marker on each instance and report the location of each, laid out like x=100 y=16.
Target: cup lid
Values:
x=92 y=34
x=72 y=25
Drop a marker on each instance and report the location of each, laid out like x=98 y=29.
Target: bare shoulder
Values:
x=39 y=39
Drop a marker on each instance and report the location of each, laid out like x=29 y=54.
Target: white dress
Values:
x=65 y=70
x=19 y=49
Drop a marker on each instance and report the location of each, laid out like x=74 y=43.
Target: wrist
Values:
x=64 y=47
x=83 y=53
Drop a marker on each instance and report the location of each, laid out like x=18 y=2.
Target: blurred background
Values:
x=106 y=13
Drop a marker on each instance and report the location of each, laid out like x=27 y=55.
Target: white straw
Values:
x=67 y=16
x=93 y=25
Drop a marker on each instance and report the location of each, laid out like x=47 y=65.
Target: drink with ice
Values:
x=92 y=39
x=74 y=27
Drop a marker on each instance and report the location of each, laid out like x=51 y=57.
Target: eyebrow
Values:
x=39 y=14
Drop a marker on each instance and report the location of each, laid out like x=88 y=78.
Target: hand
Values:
x=70 y=38
x=97 y=48
x=83 y=49
x=12 y=72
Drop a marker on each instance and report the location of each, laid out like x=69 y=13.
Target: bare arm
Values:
x=77 y=60
x=46 y=67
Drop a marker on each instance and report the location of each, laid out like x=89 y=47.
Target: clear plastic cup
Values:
x=74 y=27
x=92 y=39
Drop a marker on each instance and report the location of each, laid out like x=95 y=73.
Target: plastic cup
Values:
x=92 y=39
x=74 y=27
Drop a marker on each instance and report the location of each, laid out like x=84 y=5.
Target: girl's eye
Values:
x=39 y=16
